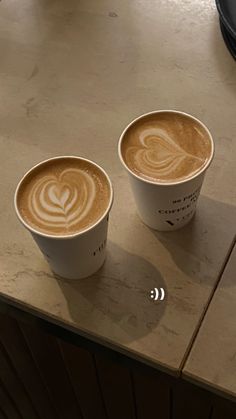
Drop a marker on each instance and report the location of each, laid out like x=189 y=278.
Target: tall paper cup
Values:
x=78 y=255
x=166 y=206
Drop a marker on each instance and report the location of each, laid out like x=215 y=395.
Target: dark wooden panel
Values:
x=223 y=409
x=13 y=384
x=81 y=368
x=45 y=378
x=47 y=356
x=12 y=339
x=152 y=394
x=116 y=387
x=7 y=405
x=2 y=414
x=190 y=402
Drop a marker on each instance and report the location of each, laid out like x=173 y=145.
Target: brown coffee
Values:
x=63 y=196
x=166 y=147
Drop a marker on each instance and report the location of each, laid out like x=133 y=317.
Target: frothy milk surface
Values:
x=63 y=196
x=166 y=147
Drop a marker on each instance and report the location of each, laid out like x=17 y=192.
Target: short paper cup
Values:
x=78 y=255
x=171 y=205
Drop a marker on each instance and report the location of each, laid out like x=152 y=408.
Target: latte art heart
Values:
x=58 y=202
x=64 y=196
x=160 y=155
x=167 y=148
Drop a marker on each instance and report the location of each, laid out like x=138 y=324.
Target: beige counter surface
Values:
x=212 y=360
x=72 y=75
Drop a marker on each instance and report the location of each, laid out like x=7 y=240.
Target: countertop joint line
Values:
x=195 y=334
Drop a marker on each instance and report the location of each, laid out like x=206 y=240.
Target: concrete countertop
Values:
x=72 y=75
x=212 y=360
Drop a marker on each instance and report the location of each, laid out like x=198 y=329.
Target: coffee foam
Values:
x=166 y=147
x=63 y=196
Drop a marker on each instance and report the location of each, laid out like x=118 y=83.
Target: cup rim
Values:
x=177 y=182
x=62 y=236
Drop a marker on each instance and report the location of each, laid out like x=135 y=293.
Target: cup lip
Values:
x=177 y=182
x=63 y=236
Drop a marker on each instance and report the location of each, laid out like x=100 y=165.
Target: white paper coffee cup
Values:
x=78 y=255
x=166 y=206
